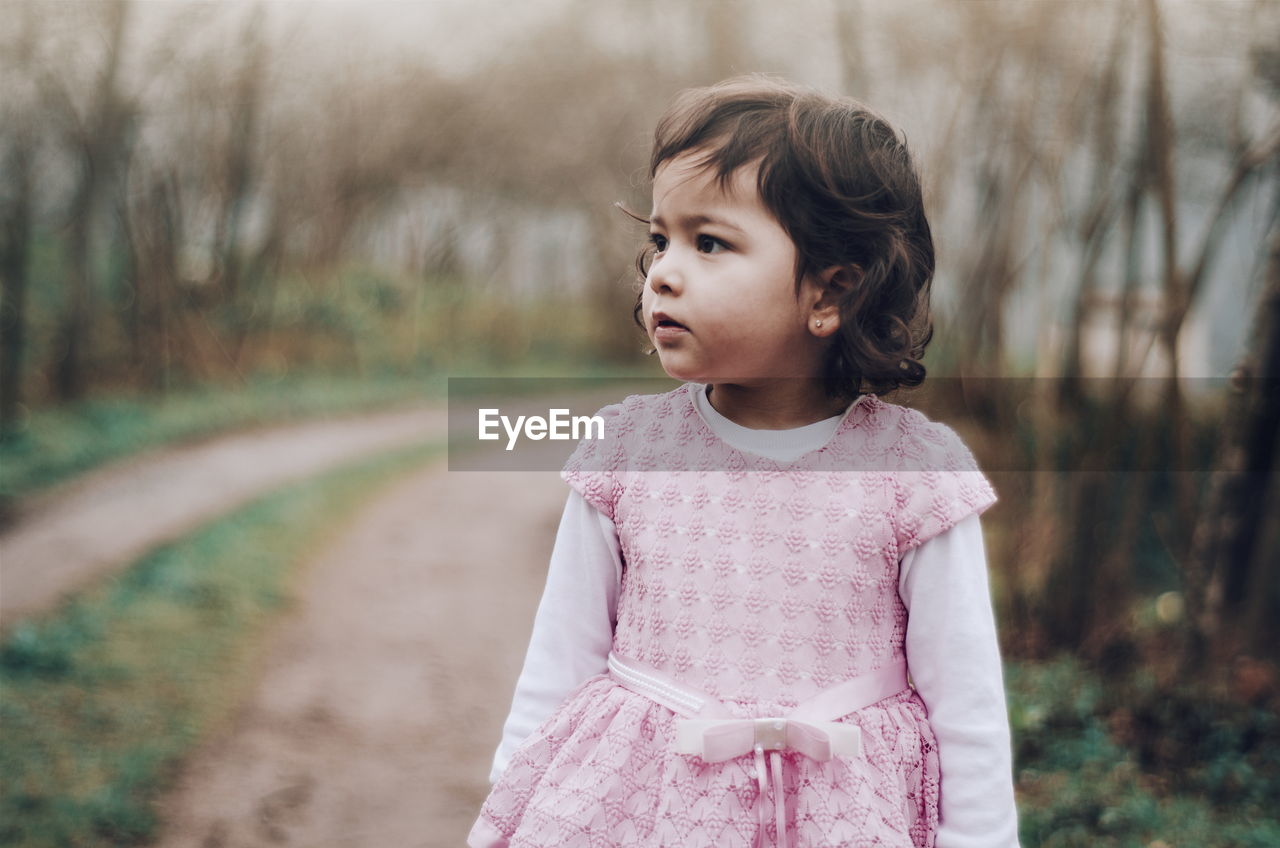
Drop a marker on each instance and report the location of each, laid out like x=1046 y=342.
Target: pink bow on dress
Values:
x=717 y=740
x=709 y=730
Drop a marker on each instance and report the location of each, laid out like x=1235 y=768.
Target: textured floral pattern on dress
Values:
x=780 y=582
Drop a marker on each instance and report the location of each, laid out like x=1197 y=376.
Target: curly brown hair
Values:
x=842 y=184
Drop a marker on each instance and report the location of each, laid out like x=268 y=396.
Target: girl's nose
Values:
x=664 y=275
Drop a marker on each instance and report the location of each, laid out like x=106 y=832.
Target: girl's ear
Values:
x=831 y=286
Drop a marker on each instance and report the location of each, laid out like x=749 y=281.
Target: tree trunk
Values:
x=239 y=163
x=15 y=240
x=1234 y=547
x=15 y=235
x=1095 y=226
x=99 y=141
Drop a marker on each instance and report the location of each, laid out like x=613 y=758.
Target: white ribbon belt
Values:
x=709 y=730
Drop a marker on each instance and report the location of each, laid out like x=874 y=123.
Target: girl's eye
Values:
x=710 y=244
x=659 y=242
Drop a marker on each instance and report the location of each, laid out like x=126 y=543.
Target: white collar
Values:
x=778 y=445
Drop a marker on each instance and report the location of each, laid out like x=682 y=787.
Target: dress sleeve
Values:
x=594 y=468
x=939 y=482
x=573 y=628
x=955 y=666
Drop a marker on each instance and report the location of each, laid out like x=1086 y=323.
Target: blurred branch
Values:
x=1248 y=162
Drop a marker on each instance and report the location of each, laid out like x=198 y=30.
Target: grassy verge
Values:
x=1118 y=767
x=102 y=699
x=59 y=443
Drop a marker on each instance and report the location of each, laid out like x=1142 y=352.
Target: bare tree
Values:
x=153 y=228
x=18 y=137
x=245 y=104
x=1231 y=571
x=97 y=137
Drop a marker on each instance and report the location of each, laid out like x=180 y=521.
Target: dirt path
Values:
x=384 y=691
x=108 y=518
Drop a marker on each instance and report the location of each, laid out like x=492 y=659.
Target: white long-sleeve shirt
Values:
x=950 y=643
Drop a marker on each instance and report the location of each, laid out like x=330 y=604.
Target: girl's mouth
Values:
x=667 y=329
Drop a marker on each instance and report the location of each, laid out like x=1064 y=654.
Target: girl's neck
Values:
x=781 y=404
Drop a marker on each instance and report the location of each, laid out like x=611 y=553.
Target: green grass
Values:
x=103 y=698
x=1211 y=782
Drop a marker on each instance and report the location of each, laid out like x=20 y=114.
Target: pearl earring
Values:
x=817 y=323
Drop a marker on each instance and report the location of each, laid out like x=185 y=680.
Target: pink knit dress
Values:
x=761 y=584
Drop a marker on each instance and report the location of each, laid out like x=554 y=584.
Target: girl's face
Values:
x=724 y=271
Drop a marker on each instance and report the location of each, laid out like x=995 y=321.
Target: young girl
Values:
x=749 y=565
